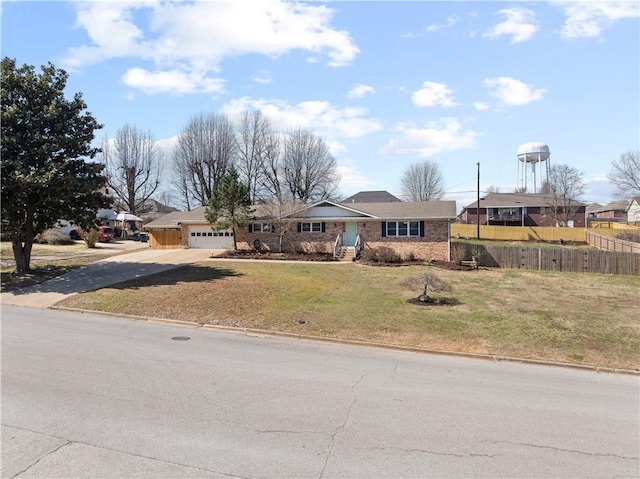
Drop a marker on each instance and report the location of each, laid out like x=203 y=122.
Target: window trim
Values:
x=412 y=228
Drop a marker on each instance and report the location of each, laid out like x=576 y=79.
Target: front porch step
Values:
x=347 y=253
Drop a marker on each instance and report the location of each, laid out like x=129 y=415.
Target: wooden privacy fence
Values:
x=164 y=239
x=573 y=260
x=612 y=244
x=519 y=233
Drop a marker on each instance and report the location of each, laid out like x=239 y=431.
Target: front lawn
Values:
x=578 y=318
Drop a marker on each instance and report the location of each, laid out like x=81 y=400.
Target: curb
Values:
x=355 y=342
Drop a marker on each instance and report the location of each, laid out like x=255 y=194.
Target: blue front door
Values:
x=352 y=233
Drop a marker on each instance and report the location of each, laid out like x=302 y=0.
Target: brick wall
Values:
x=434 y=244
x=321 y=242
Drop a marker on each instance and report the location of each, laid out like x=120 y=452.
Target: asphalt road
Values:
x=93 y=396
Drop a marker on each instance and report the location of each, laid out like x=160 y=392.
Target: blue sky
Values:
x=386 y=84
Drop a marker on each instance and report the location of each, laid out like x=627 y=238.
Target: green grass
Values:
x=583 y=318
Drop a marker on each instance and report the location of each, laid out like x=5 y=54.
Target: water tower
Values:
x=535 y=154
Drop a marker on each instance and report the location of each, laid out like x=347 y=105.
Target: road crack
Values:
x=435 y=453
x=341 y=426
x=559 y=449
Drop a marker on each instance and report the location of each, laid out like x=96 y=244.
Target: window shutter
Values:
x=384 y=229
x=250 y=227
x=299 y=227
x=422 y=229
x=323 y=227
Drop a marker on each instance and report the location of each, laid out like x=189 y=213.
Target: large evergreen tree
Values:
x=46 y=139
x=229 y=206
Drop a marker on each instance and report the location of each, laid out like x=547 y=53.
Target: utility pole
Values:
x=478 y=203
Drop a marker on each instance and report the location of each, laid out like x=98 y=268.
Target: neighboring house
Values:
x=612 y=211
x=371 y=197
x=417 y=228
x=633 y=210
x=521 y=209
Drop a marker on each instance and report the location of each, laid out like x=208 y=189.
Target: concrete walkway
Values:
x=103 y=273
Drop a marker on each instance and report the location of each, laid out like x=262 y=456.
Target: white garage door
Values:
x=205 y=237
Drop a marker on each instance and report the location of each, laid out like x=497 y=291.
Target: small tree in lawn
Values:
x=229 y=206
x=424 y=282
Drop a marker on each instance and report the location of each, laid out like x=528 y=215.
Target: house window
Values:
x=543 y=211
x=311 y=227
x=261 y=228
x=403 y=228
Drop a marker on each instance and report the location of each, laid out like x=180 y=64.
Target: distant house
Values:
x=417 y=228
x=371 y=197
x=521 y=209
x=612 y=211
x=633 y=210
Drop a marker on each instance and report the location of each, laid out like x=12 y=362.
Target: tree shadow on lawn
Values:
x=125 y=275
x=184 y=274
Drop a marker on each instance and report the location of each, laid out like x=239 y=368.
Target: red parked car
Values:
x=105 y=234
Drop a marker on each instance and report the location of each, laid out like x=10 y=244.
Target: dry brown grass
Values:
x=577 y=318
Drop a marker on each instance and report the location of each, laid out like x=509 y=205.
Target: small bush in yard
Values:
x=426 y=282
x=90 y=237
x=53 y=236
x=382 y=254
x=458 y=253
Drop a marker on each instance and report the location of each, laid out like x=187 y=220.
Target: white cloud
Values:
x=359 y=90
x=437 y=137
x=519 y=24
x=589 y=18
x=433 y=94
x=352 y=179
x=480 y=106
x=333 y=124
x=195 y=37
x=513 y=92
x=171 y=81
x=263 y=77
x=598 y=189
x=451 y=21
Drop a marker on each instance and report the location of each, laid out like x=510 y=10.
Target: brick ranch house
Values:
x=521 y=209
x=417 y=228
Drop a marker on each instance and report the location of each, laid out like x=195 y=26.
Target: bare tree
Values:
x=520 y=189
x=492 y=189
x=253 y=138
x=133 y=162
x=276 y=212
x=423 y=182
x=424 y=282
x=625 y=174
x=205 y=149
x=309 y=170
x=564 y=186
x=272 y=167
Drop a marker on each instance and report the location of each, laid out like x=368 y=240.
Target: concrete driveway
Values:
x=103 y=273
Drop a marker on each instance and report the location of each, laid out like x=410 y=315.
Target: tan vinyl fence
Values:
x=575 y=260
x=519 y=233
x=612 y=244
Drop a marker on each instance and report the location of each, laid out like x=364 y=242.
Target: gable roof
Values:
x=401 y=210
x=397 y=210
x=371 y=197
x=620 y=205
x=517 y=200
x=173 y=219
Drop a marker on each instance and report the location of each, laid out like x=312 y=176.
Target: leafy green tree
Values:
x=45 y=138
x=229 y=206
